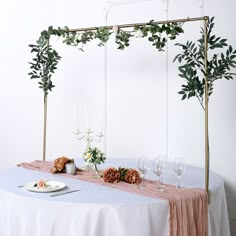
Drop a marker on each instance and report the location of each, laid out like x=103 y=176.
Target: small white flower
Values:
x=115 y=29
x=87 y=157
x=138 y=34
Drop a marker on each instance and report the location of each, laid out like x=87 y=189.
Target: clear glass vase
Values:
x=97 y=172
x=96 y=169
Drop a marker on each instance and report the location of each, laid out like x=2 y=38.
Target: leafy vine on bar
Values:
x=46 y=59
x=192 y=70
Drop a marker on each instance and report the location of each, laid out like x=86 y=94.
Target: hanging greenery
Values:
x=46 y=59
x=155 y=31
x=192 y=70
x=45 y=62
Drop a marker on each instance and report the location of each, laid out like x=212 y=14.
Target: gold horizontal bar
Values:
x=141 y=24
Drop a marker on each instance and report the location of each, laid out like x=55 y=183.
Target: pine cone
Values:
x=122 y=172
x=111 y=175
x=133 y=177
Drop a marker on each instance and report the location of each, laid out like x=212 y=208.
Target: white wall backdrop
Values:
x=136 y=88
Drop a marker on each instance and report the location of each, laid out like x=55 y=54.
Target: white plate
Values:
x=52 y=187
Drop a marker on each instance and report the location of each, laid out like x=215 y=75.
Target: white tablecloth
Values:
x=97 y=210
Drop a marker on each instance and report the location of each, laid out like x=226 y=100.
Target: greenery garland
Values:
x=192 y=70
x=45 y=62
x=192 y=58
x=46 y=59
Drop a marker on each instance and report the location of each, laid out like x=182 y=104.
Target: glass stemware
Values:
x=158 y=169
x=143 y=167
x=179 y=168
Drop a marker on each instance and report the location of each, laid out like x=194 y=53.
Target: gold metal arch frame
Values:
x=205 y=21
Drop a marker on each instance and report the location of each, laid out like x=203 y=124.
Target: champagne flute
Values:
x=158 y=169
x=164 y=159
x=143 y=167
x=179 y=168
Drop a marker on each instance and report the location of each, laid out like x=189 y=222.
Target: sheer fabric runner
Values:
x=188 y=208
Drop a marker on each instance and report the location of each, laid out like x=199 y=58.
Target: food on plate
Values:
x=41 y=184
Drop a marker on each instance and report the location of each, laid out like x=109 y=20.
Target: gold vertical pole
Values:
x=45 y=120
x=45 y=126
x=206 y=109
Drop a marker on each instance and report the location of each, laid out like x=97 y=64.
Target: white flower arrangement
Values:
x=94 y=155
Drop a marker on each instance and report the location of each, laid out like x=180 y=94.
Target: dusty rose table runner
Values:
x=188 y=208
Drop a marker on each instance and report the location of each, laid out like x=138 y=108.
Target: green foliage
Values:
x=192 y=69
x=122 y=39
x=103 y=35
x=78 y=39
x=45 y=62
x=46 y=59
x=158 y=34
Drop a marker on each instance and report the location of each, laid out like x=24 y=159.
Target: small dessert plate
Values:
x=51 y=186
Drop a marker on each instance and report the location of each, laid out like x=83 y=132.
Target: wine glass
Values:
x=179 y=168
x=143 y=167
x=158 y=169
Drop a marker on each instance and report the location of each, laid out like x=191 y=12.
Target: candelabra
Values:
x=89 y=136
